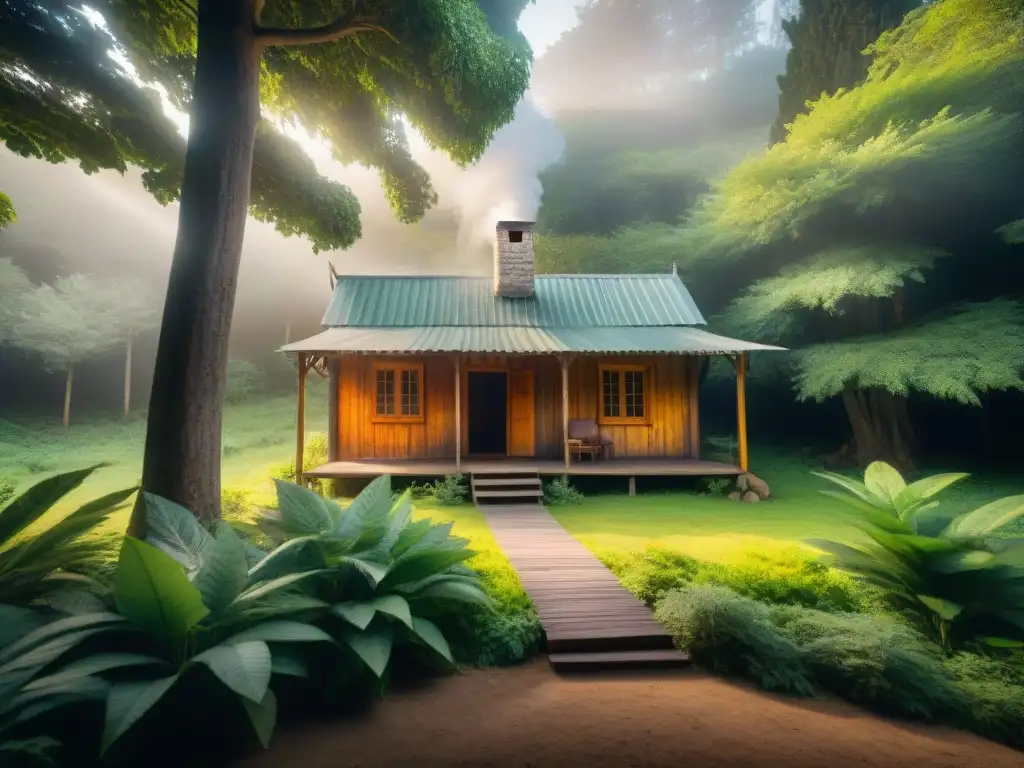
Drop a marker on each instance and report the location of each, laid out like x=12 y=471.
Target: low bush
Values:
x=449 y=491
x=784 y=577
x=734 y=635
x=561 y=493
x=876 y=661
x=652 y=573
x=314 y=454
x=7 y=490
x=244 y=381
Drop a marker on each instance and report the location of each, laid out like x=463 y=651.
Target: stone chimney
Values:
x=513 y=259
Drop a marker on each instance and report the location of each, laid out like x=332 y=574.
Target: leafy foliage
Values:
x=451 y=75
x=14 y=287
x=49 y=564
x=561 y=493
x=951 y=574
x=733 y=635
x=449 y=491
x=386 y=579
x=828 y=38
x=314 y=454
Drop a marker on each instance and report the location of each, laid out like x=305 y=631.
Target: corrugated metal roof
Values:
x=559 y=301
x=508 y=340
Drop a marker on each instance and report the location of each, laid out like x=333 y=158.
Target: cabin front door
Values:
x=521 y=429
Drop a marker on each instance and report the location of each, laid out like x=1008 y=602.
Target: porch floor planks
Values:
x=576 y=597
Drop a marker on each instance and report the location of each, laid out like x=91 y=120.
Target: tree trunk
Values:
x=183 y=438
x=127 y=376
x=881 y=428
x=67 y=396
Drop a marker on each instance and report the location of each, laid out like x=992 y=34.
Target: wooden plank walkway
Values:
x=582 y=606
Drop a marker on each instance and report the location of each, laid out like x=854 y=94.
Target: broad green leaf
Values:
x=945 y=609
x=371 y=569
x=454 y=590
x=857 y=488
x=302 y=510
x=244 y=667
x=59 y=627
x=989 y=518
x=281 y=632
x=152 y=591
x=279 y=605
x=223 y=573
x=51 y=541
x=283 y=559
x=92 y=665
x=16 y=622
x=926 y=487
x=957 y=562
x=267 y=587
x=372 y=503
x=40 y=655
x=415 y=565
x=175 y=531
x=128 y=702
x=410 y=535
x=74 y=602
x=1002 y=642
x=263 y=716
x=885 y=482
x=358 y=614
x=287 y=661
x=43 y=698
x=429 y=633
x=38 y=500
x=401 y=516
x=373 y=646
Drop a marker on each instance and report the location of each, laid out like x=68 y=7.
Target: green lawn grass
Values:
x=713 y=528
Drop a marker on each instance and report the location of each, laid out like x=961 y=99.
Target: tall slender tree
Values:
x=67 y=323
x=137 y=312
x=828 y=39
x=355 y=71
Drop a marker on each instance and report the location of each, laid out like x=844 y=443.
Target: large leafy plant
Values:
x=189 y=610
x=51 y=565
x=954 y=573
x=387 y=581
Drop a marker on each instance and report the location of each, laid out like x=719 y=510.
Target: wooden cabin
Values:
x=546 y=374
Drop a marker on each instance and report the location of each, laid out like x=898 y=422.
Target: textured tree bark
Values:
x=183 y=439
x=881 y=428
x=127 y=376
x=67 y=396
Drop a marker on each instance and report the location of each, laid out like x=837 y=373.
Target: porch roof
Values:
x=529 y=340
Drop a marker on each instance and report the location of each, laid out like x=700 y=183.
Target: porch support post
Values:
x=458 y=413
x=741 y=409
x=564 y=360
x=334 y=373
x=300 y=429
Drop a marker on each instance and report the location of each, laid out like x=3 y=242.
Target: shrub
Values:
x=314 y=454
x=508 y=634
x=37 y=566
x=7 y=490
x=788 y=577
x=244 y=381
x=450 y=491
x=995 y=690
x=561 y=493
x=948 y=572
x=878 y=662
x=652 y=573
x=716 y=486
x=734 y=635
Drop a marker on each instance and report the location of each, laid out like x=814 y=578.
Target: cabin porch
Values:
x=622 y=467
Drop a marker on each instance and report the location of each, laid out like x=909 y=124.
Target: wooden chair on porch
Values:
x=585 y=440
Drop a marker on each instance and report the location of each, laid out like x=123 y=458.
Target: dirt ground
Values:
x=530 y=716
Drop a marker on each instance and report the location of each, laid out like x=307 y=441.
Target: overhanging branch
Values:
x=341 y=27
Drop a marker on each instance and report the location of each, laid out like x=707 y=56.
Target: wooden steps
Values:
x=590 y=620
x=506 y=487
x=609 y=660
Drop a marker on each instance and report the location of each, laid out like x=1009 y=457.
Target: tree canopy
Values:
x=828 y=39
x=868 y=241
x=448 y=74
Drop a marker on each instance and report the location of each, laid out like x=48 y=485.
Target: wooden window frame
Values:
x=399 y=368
x=623 y=420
